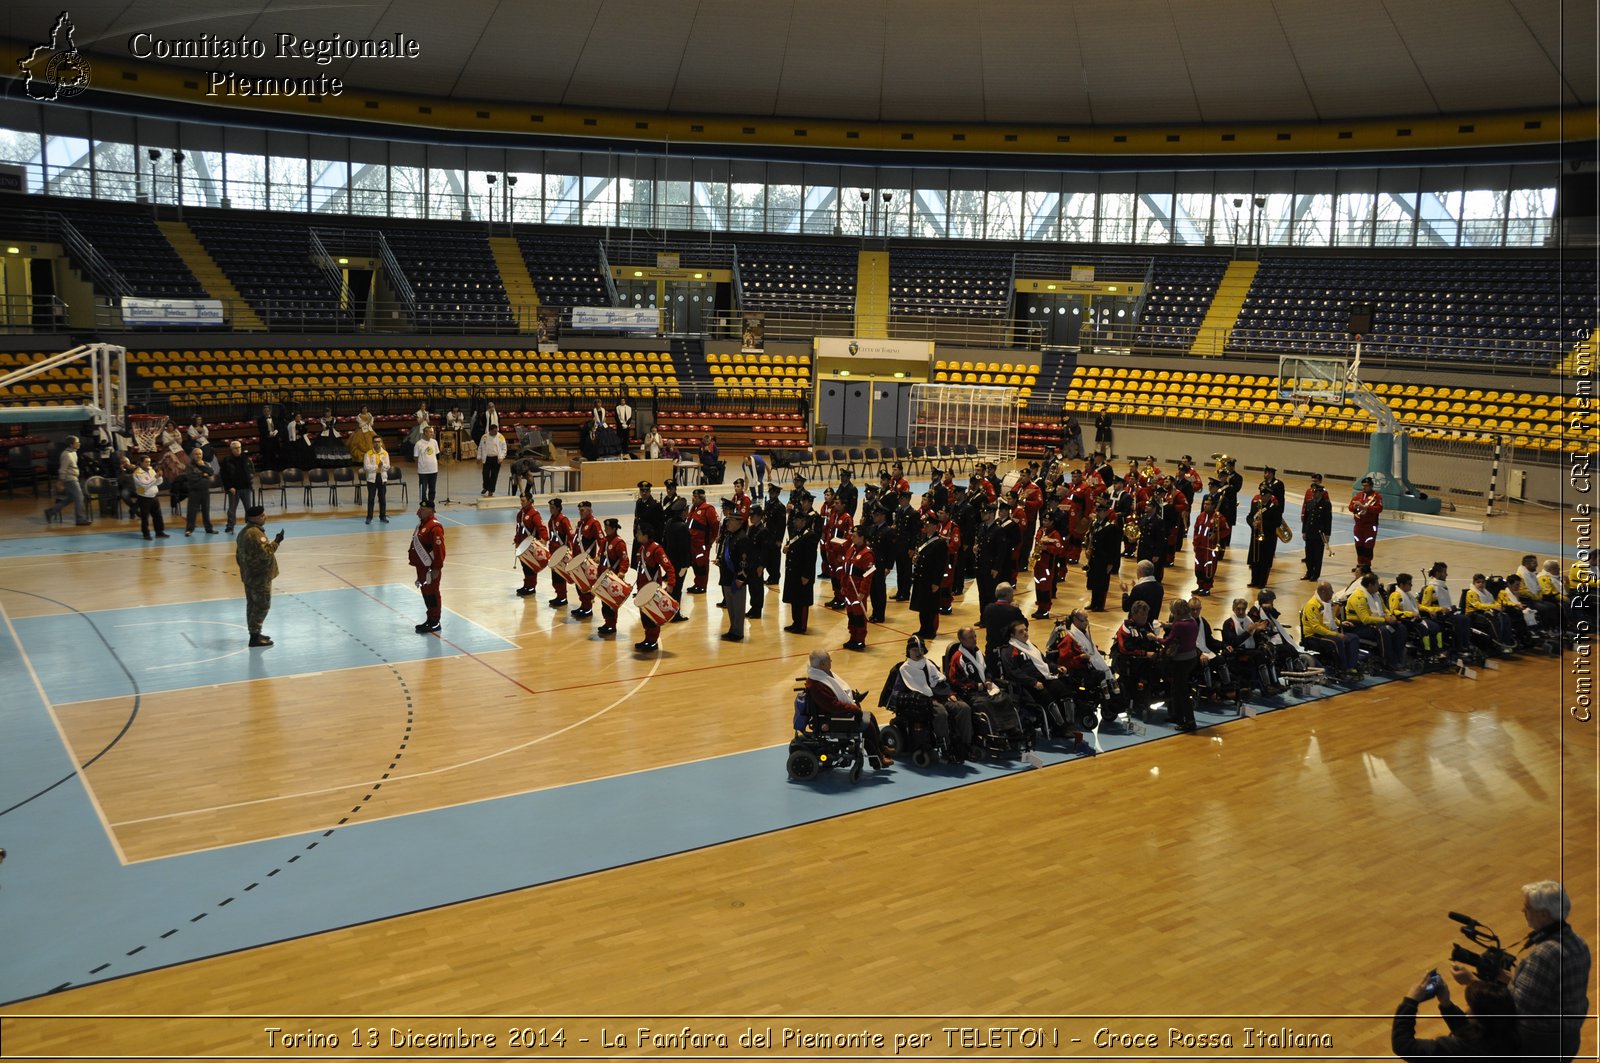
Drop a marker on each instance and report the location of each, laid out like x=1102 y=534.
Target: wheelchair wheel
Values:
x=803 y=765
x=891 y=739
x=921 y=758
x=855 y=771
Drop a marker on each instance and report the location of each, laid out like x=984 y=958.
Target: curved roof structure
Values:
x=1078 y=62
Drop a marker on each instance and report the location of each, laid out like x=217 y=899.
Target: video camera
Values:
x=1494 y=962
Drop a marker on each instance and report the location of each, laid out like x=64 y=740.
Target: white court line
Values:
x=94 y=802
x=187 y=664
x=414 y=775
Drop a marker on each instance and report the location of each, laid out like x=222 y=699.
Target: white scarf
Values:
x=1441 y=594
x=1530 y=582
x=1239 y=625
x=1033 y=656
x=1555 y=583
x=920 y=676
x=1090 y=650
x=975 y=659
x=1408 y=604
x=832 y=682
x=1328 y=617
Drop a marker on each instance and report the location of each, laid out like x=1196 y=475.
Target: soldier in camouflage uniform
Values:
x=258 y=567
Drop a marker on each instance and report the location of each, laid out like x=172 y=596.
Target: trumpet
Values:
x=1258 y=522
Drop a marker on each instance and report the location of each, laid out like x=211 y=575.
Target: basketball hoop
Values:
x=1302 y=408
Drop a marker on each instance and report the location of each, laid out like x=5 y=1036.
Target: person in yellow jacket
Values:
x=1323 y=634
x=1485 y=613
x=1366 y=608
x=1404 y=607
x=1438 y=603
x=1548 y=611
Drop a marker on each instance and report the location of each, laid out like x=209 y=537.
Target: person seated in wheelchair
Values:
x=1288 y=656
x=918 y=694
x=1552 y=588
x=1527 y=621
x=1330 y=638
x=1212 y=678
x=1033 y=681
x=1375 y=625
x=1080 y=662
x=1248 y=650
x=1488 y=614
x=969 y=678
x=1439 y=604
x=827 y=694
x=1135 y=657
x=1532 y=596
x=1421 y=630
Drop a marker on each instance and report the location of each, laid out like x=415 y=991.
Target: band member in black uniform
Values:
x=1152 y=544
x=1272 y=485
x=846 y=494
x=758 y=536
x=932 y=558
x=964 y=511
x=800 y=562
x=675 y=541
x=1316 y=524
x=1266 y=513
x=938 y=493
x=647 y=512
x=1104 y=558
x=880 y=535
x=996 y=546
x=907 y=533
x=776 y=518
x=1227 y=487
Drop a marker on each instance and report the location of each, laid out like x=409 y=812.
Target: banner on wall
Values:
x=141 y=311
x=1083 y=274
x=635 y=321
x=549 y=331
x=899 y=350
x=753 y=339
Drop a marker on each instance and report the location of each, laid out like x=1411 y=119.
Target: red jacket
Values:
x=529 y=523
x=560 y=530
x=654 y=567
x=427 y=547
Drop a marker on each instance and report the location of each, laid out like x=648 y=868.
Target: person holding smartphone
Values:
x=258 y=567
x=1487 y=1030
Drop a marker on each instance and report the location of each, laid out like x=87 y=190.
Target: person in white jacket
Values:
x=375 y=474
x=426 y=453
x=491 y=450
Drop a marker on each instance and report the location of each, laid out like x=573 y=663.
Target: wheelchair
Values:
x=823 y=742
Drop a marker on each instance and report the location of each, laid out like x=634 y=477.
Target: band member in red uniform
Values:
x=560 y=535
x=856 y=567
x=427 y=557
x=897 y=480
x=529 y=524
x=1365 y=507
x=1032 y=503
x=1049 y=566
x=613 y=558
x=741 y=501
x=1210 y=529
x=951 y=532
x=835 y=540
x=654 y=567
x=1178 y=517
x=587 y=538
x=704 y=527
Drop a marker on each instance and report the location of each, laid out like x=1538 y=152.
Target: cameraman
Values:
x=1550 y=986
x=1488 y=1029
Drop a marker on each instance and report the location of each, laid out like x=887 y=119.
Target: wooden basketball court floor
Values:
x=519 y=824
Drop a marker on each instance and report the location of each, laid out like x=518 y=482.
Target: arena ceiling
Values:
x=1080 y=62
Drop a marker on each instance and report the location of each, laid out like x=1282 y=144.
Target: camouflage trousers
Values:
x=257 y=601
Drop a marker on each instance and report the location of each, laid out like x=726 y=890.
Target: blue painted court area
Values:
x=178 y=647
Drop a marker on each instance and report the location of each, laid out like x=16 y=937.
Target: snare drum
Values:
x=612 y=589
x=533 y=554
x=656 y=604
x=583 y=570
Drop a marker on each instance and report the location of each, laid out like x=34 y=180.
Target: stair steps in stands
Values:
x=1580 y=361
x=517 y=280
x=872 y=295
x=1226 y=302
x=210 y=275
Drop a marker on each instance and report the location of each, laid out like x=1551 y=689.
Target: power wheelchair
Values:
x=824 y=741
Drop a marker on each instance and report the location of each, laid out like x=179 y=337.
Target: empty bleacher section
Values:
x=454 y=277
x=750 y=375
x=1175 y=303
x=270 y=263
x=949 y=282
x=798 y=278
x=565 y=269
x=1020 y=375
x=66 y=385
x=139 y=251
x=1523 y=310
x=762 y=425
x=1529 y=420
